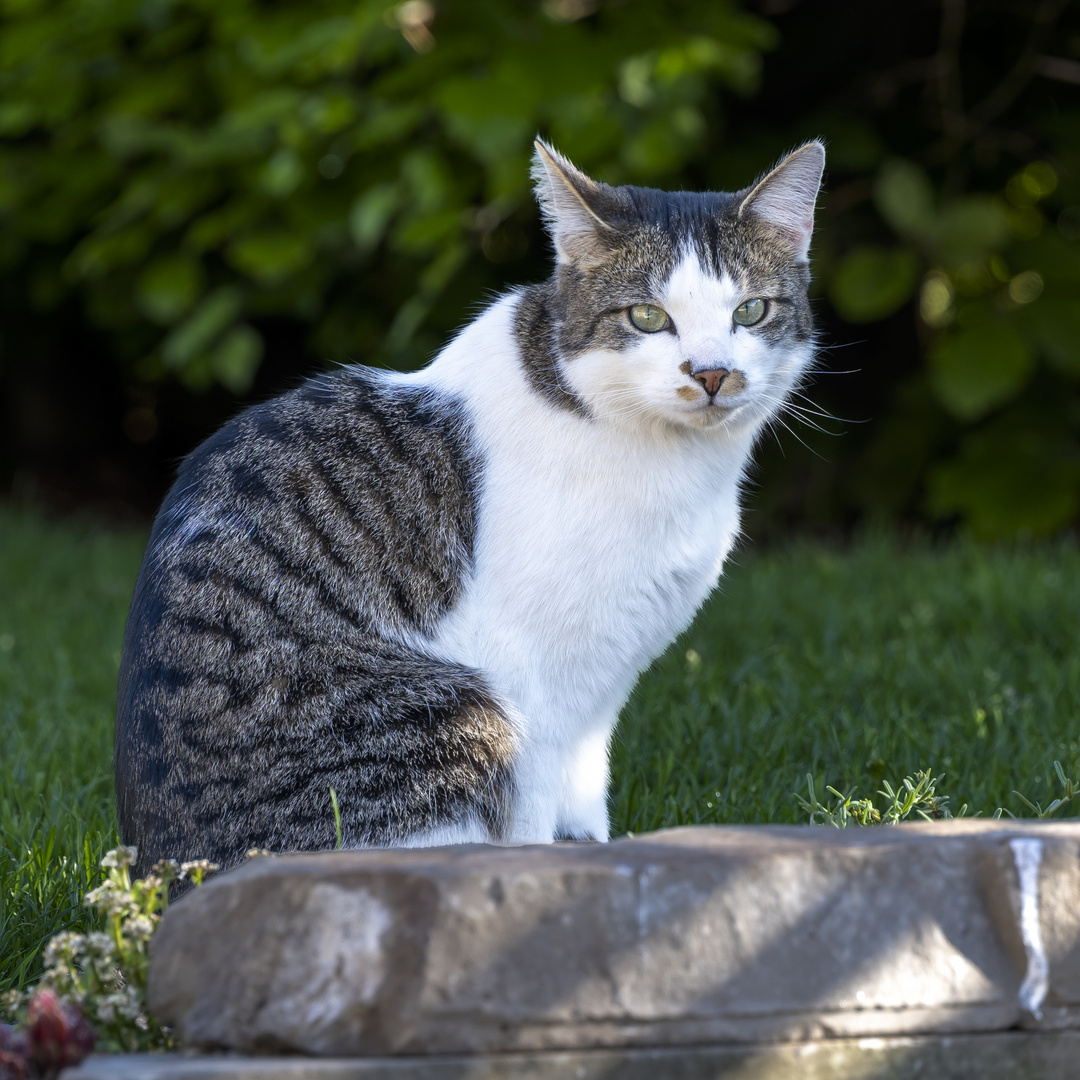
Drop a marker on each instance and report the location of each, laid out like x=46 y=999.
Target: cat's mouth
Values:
x=711 y=412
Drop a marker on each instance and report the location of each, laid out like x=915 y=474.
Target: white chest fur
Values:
x=596 y=544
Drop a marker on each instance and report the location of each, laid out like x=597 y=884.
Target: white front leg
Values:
x=537 y=780
x=561 y=789
x=583 y=808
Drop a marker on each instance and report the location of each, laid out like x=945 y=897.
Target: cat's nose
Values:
x=712 y=380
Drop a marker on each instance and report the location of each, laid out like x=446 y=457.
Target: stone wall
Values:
x=706 y=936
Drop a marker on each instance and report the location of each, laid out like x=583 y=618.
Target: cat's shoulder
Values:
x=335 y=412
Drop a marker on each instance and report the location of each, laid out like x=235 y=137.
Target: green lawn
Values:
x=855 y=665
x=64 y=594
x=858 y=665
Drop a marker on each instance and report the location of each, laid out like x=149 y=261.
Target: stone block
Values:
x=688 y=936
x=994 y=1056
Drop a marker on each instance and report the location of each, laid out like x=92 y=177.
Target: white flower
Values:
x=99 y=943
x=11 y=1002
x=130 y=1003
x=63 y=949
x=119 y=858
x=167 y=869
x=139 y=927
x=110 y=898
x=198 y=867
x=107 y=972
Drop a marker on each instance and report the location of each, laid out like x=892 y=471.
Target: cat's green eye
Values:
x=749 y=312
x=648 y=318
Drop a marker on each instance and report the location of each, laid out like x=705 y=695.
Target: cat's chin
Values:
x=708 y=416
x=698 y=418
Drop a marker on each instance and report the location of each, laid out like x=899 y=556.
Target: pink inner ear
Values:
x=786 y=196
x=563 y=191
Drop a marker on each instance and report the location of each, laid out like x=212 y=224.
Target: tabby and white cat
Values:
x=433 y=592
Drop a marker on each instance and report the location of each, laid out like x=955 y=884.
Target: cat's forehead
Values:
x=680 y=214
x=665 y=225
x=697 y=285
x=664 y=231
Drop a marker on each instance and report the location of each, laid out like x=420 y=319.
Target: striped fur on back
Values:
x=268 y=654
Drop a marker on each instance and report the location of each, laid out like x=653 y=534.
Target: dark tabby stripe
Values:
x=264 y=660
x=539 y=315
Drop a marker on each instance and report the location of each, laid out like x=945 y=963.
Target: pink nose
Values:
x=712 y=380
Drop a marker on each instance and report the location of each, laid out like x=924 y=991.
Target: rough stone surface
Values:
x=1008 y=1055
x=689 y=936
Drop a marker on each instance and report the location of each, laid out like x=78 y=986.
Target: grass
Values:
x=64 y=594
x=859 y=666
x=856 y=666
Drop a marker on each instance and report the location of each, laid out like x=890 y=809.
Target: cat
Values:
x=434 y=591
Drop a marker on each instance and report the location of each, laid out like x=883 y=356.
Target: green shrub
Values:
x=192 y=166
x=197 y=175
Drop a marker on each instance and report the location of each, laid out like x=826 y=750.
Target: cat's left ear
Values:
x=569 y=201
x=787 y=195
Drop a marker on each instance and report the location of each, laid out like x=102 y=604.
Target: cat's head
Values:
x=673 y=307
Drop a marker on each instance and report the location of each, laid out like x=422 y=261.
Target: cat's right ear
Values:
x=785 y=198
x=567 y=200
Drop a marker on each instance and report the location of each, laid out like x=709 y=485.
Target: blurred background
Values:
x=203 y=201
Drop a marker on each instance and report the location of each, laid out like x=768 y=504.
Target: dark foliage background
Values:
x=203 y=200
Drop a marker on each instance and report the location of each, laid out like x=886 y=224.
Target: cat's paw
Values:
x=579 y=836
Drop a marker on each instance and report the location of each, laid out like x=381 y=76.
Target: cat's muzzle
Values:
x=720 y=381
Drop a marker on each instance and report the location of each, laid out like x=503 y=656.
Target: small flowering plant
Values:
x=55 y=1035
x=94 y=985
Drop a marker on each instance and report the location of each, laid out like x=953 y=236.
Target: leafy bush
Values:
x=199 y=176
x=190 y=166
x=996 y=283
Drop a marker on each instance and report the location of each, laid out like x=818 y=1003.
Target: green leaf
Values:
x=1009 y=478
x=492 y=116
x=905 y=198
x=662 y=145
x=270 y=256
x=371 y=214
x=102 y=252
x=1055 y=324
x=872 y=283
x=219 y=225
x=424 y=233
x=236 y=358
x=195 y=335
x=386 y=123
x=979 y=366
x=16 y=118
x=971 y=228
x=282 y=174
x=428 y=179
x=168 y=287
x=329 y=112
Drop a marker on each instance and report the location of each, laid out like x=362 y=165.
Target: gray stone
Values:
x=1008 y=1055
x=689 y=936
